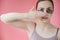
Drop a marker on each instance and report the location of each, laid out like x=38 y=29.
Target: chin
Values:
x=45 y=20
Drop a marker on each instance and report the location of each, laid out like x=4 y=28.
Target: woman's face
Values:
x=45 y=10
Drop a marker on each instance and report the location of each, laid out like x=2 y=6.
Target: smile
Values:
x=44 y=17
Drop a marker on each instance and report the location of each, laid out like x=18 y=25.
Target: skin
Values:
x=42 y=26
x=42 y=9
x=20 y=20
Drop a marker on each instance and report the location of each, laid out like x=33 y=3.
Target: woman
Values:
x=42 y=29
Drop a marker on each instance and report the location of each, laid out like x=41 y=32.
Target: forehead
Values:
x=45 y=4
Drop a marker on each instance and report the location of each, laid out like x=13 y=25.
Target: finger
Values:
x=31 y=9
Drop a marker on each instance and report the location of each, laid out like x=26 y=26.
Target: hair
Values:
x=43 y=0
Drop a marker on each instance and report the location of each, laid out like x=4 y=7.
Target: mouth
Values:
x=44 y=19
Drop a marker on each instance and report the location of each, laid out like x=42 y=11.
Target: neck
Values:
x=44 y=26
x=45 y=29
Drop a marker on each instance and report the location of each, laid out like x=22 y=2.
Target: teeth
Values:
x=44 y=17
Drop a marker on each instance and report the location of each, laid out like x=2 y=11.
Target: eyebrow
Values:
x=49 y=7
x=40 y=8
x=43 y=8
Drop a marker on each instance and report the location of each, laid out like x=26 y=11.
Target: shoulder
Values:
x=58 y=34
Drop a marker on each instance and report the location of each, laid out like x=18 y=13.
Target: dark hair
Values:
x=44 y=0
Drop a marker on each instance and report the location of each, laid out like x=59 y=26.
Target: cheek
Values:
x=40 y=13
x=49 y=16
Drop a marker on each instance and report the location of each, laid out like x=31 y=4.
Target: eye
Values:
x=42 y=9
x=49 y=10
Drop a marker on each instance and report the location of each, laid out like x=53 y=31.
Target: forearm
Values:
x=28 y=26
x=17 y=24
x=16 y=16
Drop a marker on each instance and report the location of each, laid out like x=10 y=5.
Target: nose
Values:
x=44 y=15
x=46 y=11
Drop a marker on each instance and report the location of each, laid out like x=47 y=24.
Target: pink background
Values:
x=7 y=32
x=55 y=20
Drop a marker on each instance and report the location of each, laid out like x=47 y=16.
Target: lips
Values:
x=44 y=17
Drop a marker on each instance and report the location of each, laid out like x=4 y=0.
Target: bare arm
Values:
x=16 y=21
x=16 y=16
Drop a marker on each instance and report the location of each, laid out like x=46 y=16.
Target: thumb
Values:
x=31 y=9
